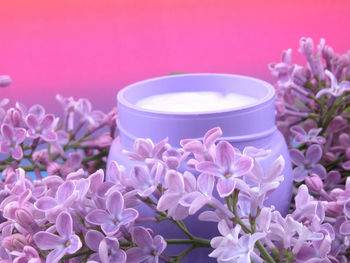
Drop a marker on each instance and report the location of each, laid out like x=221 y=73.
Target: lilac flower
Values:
x=229 y=166
x=107 y=249
x=145 y=181
x=110 y=252
x=301 y=136
x=203 y=151
x=148 y=249
x=231 y=248
x=284 y=69
x=307 y=209
x=115 y=217
x=308 y=164
x=197 y=199
x=12 y=138
x=336 y=89
x=5 y=81
x=66 y=195
x=29 y=254
x=68 y=105
x=84 y=108
x=144 y=148
x=173 y=158
x=41 y=128
x=66 y=242
x=178 y=185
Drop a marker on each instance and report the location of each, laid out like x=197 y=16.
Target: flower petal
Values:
x=225 y=186
x=142 y=237
x=243 y=165
x=209 y=167
x=93 y=239
x=297 y=157
x=64 y=225
x=129 y=215
x=98 y=217
x=313 y=154
x=299 y=174
x=17 y=152
x=45 y=203
x=20 y=135
x=211 y=136
x=47 y=121
x=45 y=240
x=115 y=204
x=75 y=244
x=64 y=191
x=225 y=154
x=136 y=255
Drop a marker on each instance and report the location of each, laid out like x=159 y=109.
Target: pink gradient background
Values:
x=93 y=48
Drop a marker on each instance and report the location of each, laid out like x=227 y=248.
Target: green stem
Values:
x=77 y=254
x=264 y=253
x=95 y=157
x=199 y=242
x=184 y=254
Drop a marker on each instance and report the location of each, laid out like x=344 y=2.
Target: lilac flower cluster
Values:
x=313 y=113
x=75 y=215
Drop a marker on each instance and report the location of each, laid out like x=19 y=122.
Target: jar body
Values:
x=249 y=125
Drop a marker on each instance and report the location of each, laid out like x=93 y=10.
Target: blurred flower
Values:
x=12 y=138
x=5 y=81
x=308 y=164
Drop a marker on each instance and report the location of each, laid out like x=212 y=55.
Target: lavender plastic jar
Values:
x=250 y=125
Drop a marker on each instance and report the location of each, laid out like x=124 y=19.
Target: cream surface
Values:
x=195 y=101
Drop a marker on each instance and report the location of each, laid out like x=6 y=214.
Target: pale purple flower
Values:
x=107 y=249
x=5 y=81
x=41 y=128
x=312 y=136
x=284 y=69
x=12 y=138
x=145 y=181
x=314 y=183
x=227 y=168
x=14 y=242
x=197 y=199
x=144 y=149
x=110 y=252
x=336 y=89
x=203 y=151
x=65 y=196
x=148 y=249
x=231 y=247
x=68 y=105
x=29 y=254
x=307 y=164
x=173 y=158
x=307 y=209
x=177 y=186
x=115 y=217
x=66 y=242
x=306 y=46
x=84 y=108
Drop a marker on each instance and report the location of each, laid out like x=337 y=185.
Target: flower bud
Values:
x=14 y=242
x=314 y=183
x=329 y=157
x=5 y=81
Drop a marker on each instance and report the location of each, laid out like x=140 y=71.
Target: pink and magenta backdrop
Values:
x=93 y=48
